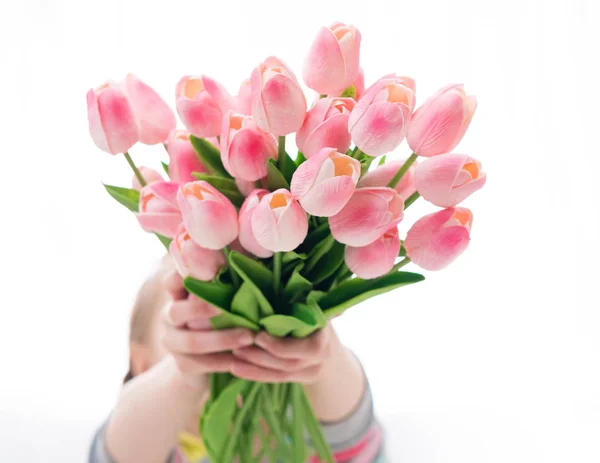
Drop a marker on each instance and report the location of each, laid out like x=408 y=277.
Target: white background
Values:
x=496 y=359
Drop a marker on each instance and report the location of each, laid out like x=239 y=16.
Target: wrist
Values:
x=190 y=388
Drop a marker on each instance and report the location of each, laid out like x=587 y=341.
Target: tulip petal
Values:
x=202 y=117
x=285 y=105
x=246 y=159
x=324 y=69
x=329 y=197
x=306 y=174
x=166 y=224
x=375 y=259
x=117 y=120
x=444 y=247
x=331 y=133
x=381 y=128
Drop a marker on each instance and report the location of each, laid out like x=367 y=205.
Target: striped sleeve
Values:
x=98 y=451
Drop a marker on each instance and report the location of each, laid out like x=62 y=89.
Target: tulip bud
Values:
x=149 y=175
x=378 y=122
x=326 y=125
x=244 y=99
x=368 y=214
x=246 y=237
x=436 y=240
x=448 y=179
x=325 y=183
x=278 y=103
x=279 y=223
x=245 y=148
x=193 y=260
x=208 y=216
x=440 y=123
x=383 y=174
x=332 y=63
x=155 y=118
x=111 y=119
x=183 y=157
x=158 y=210
x=201 y=104
x=375 y=259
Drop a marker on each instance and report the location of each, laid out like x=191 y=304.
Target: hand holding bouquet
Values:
x=278 y=243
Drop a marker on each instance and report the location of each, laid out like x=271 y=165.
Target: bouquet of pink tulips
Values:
x=283 y=243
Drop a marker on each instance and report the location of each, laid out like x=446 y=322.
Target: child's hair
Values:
x=149 y=300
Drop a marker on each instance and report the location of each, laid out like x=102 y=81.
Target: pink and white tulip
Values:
x=245 y=148
x=208 y=216
x=378 y=122
x=436 y=240
x=326 y=125
x=278 y=103
x=154 y=117
x=375 y=259
x=244 y=99
x=201 y=104
x=183 y=157
x=192 y=260
x=383 y=174
x=149 y=175
x=112 y=122
x=448 y=179
x=279 y=223
x=246 y=237
x=440 y=123
x=325 y=183
x=158 y=209
x=333 y=60
x=368 y=215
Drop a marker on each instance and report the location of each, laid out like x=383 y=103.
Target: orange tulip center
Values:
x=343 y=166
x=182 y=136
x=340 y=32
x=278 y=200
x=235 y=122
x=463 y=216
x=192 y=87
x=398 y=94
x=195 y=189
x=471 y=168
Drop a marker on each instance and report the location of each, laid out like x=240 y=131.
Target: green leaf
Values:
x=311 y=315
x=258 y=276
x=291 y=256
x=229 y=320
x=209 y=156
x=164 y=240
x=297 y=285
x=382 y=160
x=220 y=183
x=217 y=294
x=318 y=252
x=289 y=167
x=351 y=292
x=245 y=304
x=275 y=178
x=316 y=296
x=315 y=236
x=126 y=196
x=284 y=325
x=235 y=197
x=300 y=158
x=350 y=92
x=328 y=264
x=165 y=167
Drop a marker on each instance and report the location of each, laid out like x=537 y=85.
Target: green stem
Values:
x=400 y=264
x=248 y=405
x=314 y=429
x=266 y=447
x=364 y=168
x=277 y=262
x=234 y=276
x=281 y=154
x=134 y=168
x=273 y=423
x=298 y=424
x=357 y=153
x=321 y=96
x=396 y=178
x=411 y=199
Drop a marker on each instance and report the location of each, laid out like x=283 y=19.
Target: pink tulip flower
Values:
x=201 y=104
x=149 y=175
x=245 y=186
x=246 y=237
x=383 y=174
x=368 y=215
x=111 y=119
x=378 y=122
x=440 y=123
x=278 y=103
x=436 y=240
x=155 y=118
x=208 y=216
x=448 y=179
x=326 y=125
x=183 y=157
x=244 y=99
x=279 y=223
x=332 y=63
x=326 y=182
x=158 y=210
x=375 y=259
x=195 y=261
x=245 y=148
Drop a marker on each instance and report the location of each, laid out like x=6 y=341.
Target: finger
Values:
x=290 y=348
x=205 y=342
x=252 y=372
x=174 y=285
x=178 y=313
x=211 y=363
x=262 y=358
